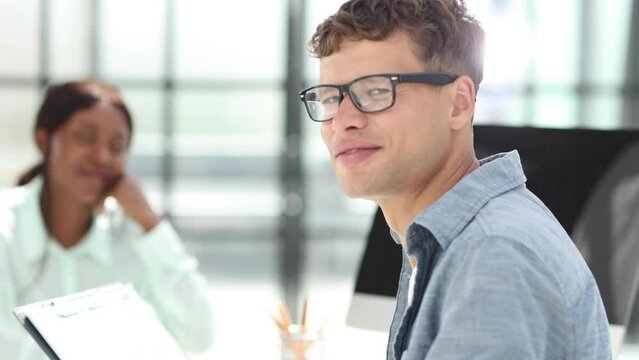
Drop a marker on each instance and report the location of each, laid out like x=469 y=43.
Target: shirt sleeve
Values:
x=502 y=304
x=15 y=342
x=172 y=284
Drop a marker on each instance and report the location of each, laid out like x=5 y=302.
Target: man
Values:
x=488 y=271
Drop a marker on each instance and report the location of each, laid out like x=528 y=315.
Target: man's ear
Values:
x=463 y=108
x=42 y=140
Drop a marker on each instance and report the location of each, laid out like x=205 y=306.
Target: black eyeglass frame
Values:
x=433 y=78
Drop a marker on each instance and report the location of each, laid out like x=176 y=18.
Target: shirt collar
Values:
x=449 y=215
x=30 y=224
x=96 y=243
x=34 y=236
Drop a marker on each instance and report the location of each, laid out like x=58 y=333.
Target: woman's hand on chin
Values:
x=126 y=190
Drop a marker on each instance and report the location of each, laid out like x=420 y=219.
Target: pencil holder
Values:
x=301 y=344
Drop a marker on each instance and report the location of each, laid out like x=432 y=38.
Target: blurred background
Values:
x=224 y=149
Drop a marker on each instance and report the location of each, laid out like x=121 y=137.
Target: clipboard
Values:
x=109 y=322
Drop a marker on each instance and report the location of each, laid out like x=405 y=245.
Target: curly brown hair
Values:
x=446 y=36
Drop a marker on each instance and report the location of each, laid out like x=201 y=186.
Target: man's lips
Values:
x=352 y=146
x=355 y=150
x=354 y=153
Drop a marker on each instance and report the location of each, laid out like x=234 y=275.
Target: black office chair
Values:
x=607 y=232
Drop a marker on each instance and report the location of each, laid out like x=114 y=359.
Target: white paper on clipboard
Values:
x=110 y=322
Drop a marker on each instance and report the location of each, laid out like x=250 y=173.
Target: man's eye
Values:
x=331 y=100
x=378 y=92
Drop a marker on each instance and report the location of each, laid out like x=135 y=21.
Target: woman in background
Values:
x=78 y=220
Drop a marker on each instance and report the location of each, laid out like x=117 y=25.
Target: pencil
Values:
x=278 y=323
x=286 y=316
x=304 y=314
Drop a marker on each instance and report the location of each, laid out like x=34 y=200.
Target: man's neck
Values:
x=401 y=210
x=67 y=221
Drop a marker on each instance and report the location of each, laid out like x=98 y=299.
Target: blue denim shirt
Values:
x=498 y=278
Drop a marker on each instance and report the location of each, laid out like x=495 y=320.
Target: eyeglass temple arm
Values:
x=440 y=78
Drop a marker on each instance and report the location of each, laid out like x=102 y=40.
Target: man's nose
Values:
x=348 y=116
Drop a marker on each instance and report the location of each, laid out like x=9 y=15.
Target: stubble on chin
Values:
x=355 y=186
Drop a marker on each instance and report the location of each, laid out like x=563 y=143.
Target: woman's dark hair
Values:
x=61 y=101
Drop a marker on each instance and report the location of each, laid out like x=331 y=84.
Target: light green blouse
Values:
x=34 y=267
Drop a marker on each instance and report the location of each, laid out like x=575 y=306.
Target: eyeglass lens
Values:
x=369 y=94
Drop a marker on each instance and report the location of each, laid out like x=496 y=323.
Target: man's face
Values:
x=394 y=152
x=88 y=152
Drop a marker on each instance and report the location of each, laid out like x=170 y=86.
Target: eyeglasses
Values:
x=371 y=93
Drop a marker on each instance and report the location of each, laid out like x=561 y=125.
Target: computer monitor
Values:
x=573 y=171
